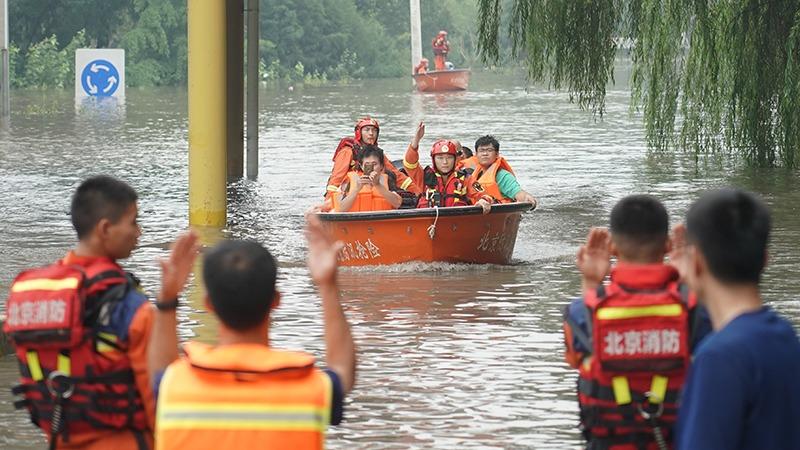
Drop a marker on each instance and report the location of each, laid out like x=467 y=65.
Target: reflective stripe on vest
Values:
x=632 y=312
x=274 y=399
x=243 y=416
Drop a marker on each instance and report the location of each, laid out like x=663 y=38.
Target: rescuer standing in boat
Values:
x=81 y=327
x=742 y=391
x=631 y=339
x=494 y=176
x=348 y=151
x=440 y=48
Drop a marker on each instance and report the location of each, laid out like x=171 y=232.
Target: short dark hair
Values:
x=371 y=150
x=99 y=197
x=640 y=228
x=466 y=152
x=731 y=228
x=240 y=281
x=487 y=140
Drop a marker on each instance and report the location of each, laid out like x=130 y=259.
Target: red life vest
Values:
x=55 y=315
x=347 y=142
x=443 y=190
x=640 y=343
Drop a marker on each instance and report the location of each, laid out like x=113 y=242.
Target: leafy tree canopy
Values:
x=728 y=69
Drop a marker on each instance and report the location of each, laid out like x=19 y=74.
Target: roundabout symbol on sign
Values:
x=100 y=78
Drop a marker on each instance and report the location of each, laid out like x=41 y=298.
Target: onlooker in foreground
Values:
x=742 y=391
x=243 y=393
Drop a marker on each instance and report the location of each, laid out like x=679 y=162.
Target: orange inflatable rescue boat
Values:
x=442 y=80
x=461 y=234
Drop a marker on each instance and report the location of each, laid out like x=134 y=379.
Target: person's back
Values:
x=630 y=339
x=244 y=396
x=243 y=393
x=98 y=376
x=742 y=390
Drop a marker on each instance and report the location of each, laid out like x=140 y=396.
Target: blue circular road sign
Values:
x=100 y=78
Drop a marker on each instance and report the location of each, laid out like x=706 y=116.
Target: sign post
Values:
x=99 y=73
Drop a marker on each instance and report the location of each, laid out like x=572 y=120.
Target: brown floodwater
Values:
x=450 y=356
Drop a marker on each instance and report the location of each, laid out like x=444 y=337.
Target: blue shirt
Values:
x=743 y=389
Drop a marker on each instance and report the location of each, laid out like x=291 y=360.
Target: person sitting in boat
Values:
x=494 y=176
x=467 y=161
x=347 y=153
x=369 y=187
x=440 y=48
x=422 y=67
x=446 y=186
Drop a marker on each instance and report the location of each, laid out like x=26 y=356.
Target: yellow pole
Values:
x=207 y=112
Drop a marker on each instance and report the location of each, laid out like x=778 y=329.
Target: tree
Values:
x=730 y=69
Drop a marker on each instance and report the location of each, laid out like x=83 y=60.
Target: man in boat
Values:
x=243 y=393
x=422 y=67
x=742 y=389
x=440 y=48
x=81 y=328
x=494 y=176
x=369 y=187
x=631 y=339
x=347 y=152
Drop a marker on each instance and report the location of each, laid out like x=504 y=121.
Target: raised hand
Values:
x=176 y=268
x=678 y=253
x=323 y=252
x=418 y=135
x=594 y=257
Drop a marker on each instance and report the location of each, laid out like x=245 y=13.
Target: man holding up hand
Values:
x=243 y=393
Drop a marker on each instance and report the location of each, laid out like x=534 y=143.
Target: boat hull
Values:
x=443 y=80
x=461 y=235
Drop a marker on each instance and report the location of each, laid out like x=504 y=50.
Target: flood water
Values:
x=450 y=356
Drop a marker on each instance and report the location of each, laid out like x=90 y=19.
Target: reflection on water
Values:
x=450 y=355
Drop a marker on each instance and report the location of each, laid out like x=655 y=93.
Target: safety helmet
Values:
x=443 y=33
x=443 y=147
x=364 y=122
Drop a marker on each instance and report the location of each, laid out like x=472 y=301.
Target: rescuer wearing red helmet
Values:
x=346 y=154
x=422 y=67
x=440 y=48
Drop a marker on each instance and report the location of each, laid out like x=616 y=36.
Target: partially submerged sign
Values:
x=99 y=72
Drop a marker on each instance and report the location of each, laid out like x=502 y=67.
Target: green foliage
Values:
x=333 y=40
x=730 y=70
x=46 y=65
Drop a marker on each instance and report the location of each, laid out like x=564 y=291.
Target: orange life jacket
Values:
x=56 y=319
x=443 y=190
x=368 y=199
x=242 y=396
x=486 y=180
x=640 y=341
x=470 y=165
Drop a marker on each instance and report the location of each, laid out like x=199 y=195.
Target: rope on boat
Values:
x=432 y=228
